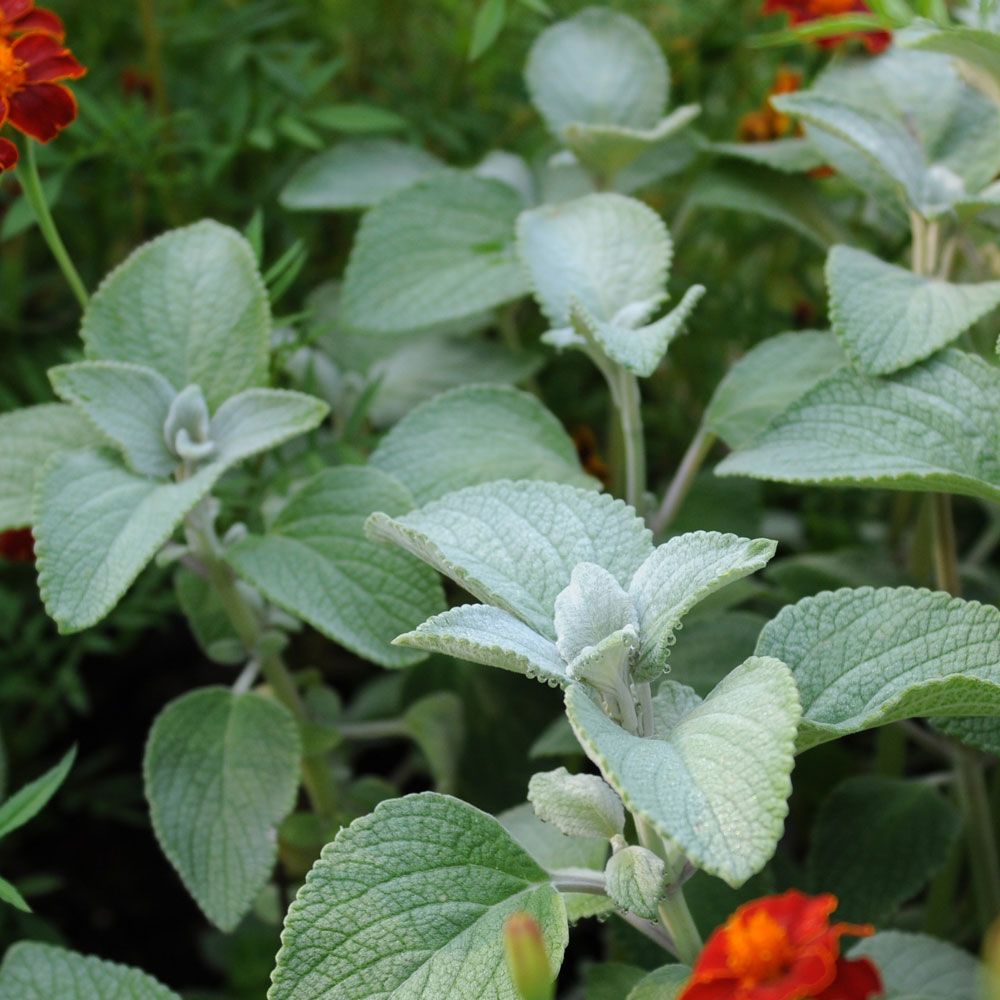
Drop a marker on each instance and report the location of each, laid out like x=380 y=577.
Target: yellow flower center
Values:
x=12 y=71
x=759 y=949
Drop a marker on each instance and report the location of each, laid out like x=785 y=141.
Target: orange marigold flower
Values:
x=31 y=98
x=800 y=11
x=766 y=123
x=17 y=545
x=783 y=948
x=20 y=16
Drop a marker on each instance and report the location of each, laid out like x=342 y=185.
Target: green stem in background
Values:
x=680 y=485
x=34 y=194
x=629 y=403
x=679 y=924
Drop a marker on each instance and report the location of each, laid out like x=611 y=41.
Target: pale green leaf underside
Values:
x=718 y=785
x=316 y=563
x=887 y=317
x=221 y=771
x=33 y=971
x=439 y=250
x=767 y=380
x=473 y=435
x=356 y=175
x=126 y=402
x=483 y=634
x=864 y=658
x=932 y=427
x=98 y=524
x=598 y=68
x=921 y=967
x=192 y=305
x=603 y=252
x=681 y=573
x=30 y=438
x=409 y=903
x=514 y=544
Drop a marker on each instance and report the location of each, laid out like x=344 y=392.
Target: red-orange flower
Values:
x=800 y=11
x=31 y=98
x=17 y=545
x=783 y=948
x=20 y=16
x=766 y=123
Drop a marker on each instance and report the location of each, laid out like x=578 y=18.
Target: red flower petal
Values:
x=856 y=980
x=42 y=20
x=42 y=110
x=4 y=111
x=18 y=544
x=13 y=10
x=46 y=59
x=8 y=155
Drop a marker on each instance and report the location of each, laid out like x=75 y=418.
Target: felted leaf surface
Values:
x=592 y=607
x=718 y=785
x=603 y=251
x=514 y=544
x=98 y=524
x=900 y=835
x=356 y=174
x=192 y=305
x=34 y=971
x=598 y=68
x=866 y=657
x=409 y=903
x=932 y=427
x=767 y=380
x=127 y=403
x=483 y=634
x=476 y=434
x=578 y=805
x=887 y=317
x=221 y=771
x=316 y=563
x=441 y=249
x=918 y=967
x=679 y=574
x=981 y=733
x=30 y=438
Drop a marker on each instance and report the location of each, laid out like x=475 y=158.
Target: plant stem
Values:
x=680 y=485
x=629 y=403
x=579 y=880
x=679 y=924
x=381 y=729
x=945 y=555
x=35 y=196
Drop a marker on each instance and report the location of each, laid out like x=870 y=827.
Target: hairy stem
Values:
x=579 y=880
x=680 y=485
x=629 y=404
x=35 y=196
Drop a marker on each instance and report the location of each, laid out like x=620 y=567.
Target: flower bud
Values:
x=636 y=880
x=527 y=959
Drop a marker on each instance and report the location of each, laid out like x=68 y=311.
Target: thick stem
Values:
x=579 y=880
x=680 y=485
x=945 y=554
x=630 y=414
x=34 y=194
x=679 y=924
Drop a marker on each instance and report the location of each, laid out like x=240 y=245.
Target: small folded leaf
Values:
x=411 y=901
x=33 y=971
x=125 y=402
x=28 y=801
x=887 y=317
x=316 y=563
x=578 y=805
x=932 y=427
x=355 y=175
x=442 y=249
x=514 y=544
x=864 y=658
x=724 y=808
x=637 y=880
x=476 y=434
x=767 y=380
x=30 y=437
x=677 y=576
x=598 y=68
x=221 y=772
x=918 y=967
x=192 y=305
x=591 y=607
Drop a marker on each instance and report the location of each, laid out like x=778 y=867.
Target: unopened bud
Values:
x=527 y=960
x=636 y=881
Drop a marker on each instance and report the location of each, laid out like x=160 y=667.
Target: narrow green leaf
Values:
x=364 y=118
x=10 y=895
x=490 y=19
x=221 y=771
x=410 y=901
x=28 y=801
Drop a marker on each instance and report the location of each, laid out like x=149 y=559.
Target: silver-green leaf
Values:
x=919 y=967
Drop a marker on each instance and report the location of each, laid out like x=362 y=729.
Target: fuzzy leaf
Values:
x=598 y=68
x=663 y=984
x=589 y=609
x=221 y=772
x=192 y=305
x=887 y=317
x=477 y=434
x=918 y=967
x=578 y=805
x=356 y=174
x=932 y=427
x=30 y=438
x=866 y=657
x=127 y=403
x=514 y=544
x=440 y=250
x=34 y=971
x=410 y=902
x=315 y=562
x=724 y=809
